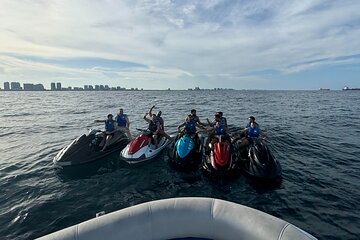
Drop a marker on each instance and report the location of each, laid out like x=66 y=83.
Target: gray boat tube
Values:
x=204 y=218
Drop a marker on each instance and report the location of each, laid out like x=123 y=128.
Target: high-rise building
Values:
x=91 y=87
x=15 y=86
x=39 y=87
x=6 y=86
x=53 y=86
x=28 y=87
x=102 y=88
x=97 y=87
x=86 y=87
x=58 y=86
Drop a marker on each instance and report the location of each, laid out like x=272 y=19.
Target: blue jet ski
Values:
x=186 y=152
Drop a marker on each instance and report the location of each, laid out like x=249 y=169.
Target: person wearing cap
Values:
x=109 y=130
x=252 y=130
x=123 y=123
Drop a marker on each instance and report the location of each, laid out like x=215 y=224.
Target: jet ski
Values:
x=142 y=148
x=257 y=160
x=186 y=152
x=87 y=148
x=220 y=161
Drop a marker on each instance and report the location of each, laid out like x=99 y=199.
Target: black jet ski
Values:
x=87 y=148
x=257 y=160
x=220 y=161
x=186 y=152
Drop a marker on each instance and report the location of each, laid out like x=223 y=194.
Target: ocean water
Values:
x=314 y=134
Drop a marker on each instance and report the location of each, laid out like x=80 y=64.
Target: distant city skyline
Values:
x=57 y=86
x=270 y=45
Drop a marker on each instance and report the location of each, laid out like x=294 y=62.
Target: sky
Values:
x=181 y=44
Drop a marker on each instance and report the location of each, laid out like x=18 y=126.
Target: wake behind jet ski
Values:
x=88 y=148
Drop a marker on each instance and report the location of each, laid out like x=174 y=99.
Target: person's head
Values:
x=252 y=124
x=251 y=119
x=193 y=112
x=220 y=113
x=109 y=116
x=159 y=113
x=121 y=111
x=217 y=117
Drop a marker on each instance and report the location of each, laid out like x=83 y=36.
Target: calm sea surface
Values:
x=314 y=134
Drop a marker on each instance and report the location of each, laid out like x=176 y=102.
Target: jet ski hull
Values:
x=220 y=161
x=258 y=162
x=86 y=148
x=141 y=149
x=185 y=154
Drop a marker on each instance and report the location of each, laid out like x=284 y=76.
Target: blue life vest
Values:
x=220 y=128
x=190 y=126
x=109 y=125
x=121 y=120
x=253 y=132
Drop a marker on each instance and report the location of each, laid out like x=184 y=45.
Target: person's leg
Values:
x=208 y=140
x=164 y=134
x=108 y=138
x=103 y=140
x=128 y=134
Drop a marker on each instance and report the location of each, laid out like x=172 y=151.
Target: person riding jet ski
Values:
x=219 y=129
x=109 y=130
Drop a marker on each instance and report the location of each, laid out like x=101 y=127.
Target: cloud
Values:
x=178 y=38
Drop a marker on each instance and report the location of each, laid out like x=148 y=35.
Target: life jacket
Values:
x=253 y=132
x=190 y=126
x=109 y=125
x=220 y=128
x=121 y=120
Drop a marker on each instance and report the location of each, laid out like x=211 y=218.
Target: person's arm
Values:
x=200 y=126
x=146 y=118
x=150 y=111
x=211 y=124
x=127 y=122
x=181 y=125
x=198 y=120
x=226 y=125
x=99 y=121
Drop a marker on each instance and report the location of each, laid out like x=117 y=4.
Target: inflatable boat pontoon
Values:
x=200 y=218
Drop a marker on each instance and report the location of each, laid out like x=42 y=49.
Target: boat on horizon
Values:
x=324 y=89
x=347 y=88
